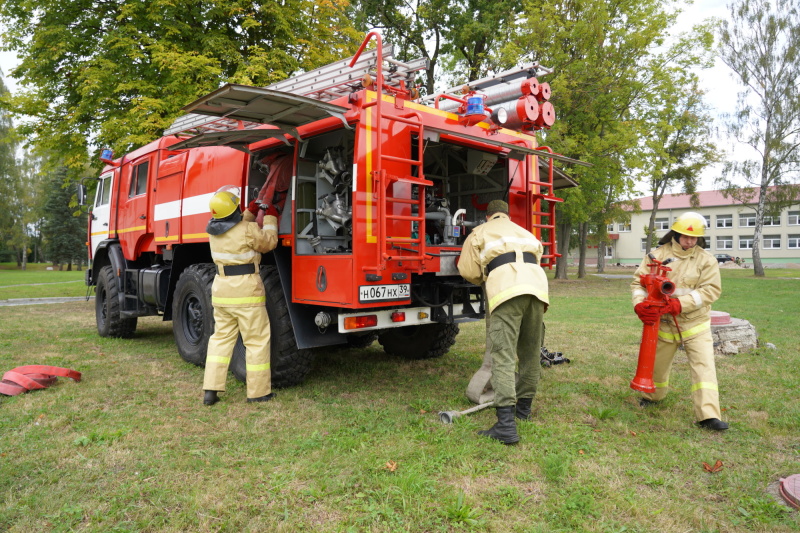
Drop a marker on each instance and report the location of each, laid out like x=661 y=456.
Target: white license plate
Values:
x=375 y=293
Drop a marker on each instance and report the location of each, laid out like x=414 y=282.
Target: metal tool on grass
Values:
x=448 y=416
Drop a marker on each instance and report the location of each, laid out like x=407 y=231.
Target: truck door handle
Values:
x=142 y=217
x=105 y=223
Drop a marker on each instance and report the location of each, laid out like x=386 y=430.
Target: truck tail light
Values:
x=398 y=316
x=358 y=322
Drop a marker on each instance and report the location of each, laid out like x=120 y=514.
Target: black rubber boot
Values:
x=505 y=430
x=210 y=397
x=524 y=408
x=266 y=398
x=713 y=423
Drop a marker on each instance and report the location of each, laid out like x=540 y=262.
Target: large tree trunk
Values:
x=563 y=232
x=601 y=257
x=584 y=230
x=758 y=267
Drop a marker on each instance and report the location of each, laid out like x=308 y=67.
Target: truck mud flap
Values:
x=306 y=333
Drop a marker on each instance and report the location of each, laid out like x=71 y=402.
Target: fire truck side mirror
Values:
x=81 y=194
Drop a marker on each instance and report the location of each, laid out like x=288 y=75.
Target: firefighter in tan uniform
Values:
x=506 y=258
x=695 y=273
x=238 y=295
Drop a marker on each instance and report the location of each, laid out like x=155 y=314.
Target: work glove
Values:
x=253 y=207
x=674 y=307
x=270 y=210
x=648 y=315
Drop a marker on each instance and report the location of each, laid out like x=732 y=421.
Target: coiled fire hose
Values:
x=33 y=377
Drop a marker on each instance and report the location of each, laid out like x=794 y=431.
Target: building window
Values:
x=794 y=218
x=708 y=220
x=139 y=179
x=724 y=221
x=725 y=243
x=609 y=252
x=745 y=243
x=794 y=242
x=610 y=228
x=661 y=223
x=645 y=244
x=623 y=227
x=707 y=244
x=748 y=220
x=772 y=242
x=772 y=221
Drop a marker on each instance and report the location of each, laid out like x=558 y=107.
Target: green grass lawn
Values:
x=38 y=282
x=359 y=446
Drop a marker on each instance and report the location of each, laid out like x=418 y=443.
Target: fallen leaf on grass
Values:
x=391 y=466
x=713 y=469
x=581 y=452
x=633 y=433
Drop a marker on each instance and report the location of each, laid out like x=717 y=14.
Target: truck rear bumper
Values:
x=373 y=319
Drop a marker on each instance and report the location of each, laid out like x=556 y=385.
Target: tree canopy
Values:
x=598 y=49
x=115 y=74
x=761 y=44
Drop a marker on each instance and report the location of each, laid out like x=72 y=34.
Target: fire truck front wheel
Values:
x=107 y=308
x=192 y=313
x=419 y=342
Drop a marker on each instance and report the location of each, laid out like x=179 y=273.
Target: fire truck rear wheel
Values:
x=192 y=313
x=289 y=365
x=419 y=342
x=107 y=312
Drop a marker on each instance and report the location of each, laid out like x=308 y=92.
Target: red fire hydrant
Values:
x=658 y=288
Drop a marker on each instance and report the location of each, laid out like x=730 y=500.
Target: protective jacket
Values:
x=238 y=297
x=695 y=273
x=696 y=276
x=240 y=245
x=498 y=236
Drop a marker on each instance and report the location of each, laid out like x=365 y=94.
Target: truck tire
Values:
x=425 y=341
x=106 y=307
x=192 y=313
x=289 y=365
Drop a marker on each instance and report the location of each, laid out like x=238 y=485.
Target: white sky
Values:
x=720 y=86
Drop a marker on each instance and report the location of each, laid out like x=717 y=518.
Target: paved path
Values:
x=34 y=301
x=34 y=284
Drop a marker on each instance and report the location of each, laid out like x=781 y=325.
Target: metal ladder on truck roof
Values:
x=325 y=84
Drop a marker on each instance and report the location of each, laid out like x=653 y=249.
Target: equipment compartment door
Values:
x=166 y=219
x=133 y=204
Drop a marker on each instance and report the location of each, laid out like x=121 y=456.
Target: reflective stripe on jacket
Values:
x=695 y=273
x=497 y=236
x=243 y=243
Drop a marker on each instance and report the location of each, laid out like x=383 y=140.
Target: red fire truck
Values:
x=377 y=189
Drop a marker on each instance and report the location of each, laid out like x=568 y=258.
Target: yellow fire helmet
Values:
x=690 y=223
x=223 y=204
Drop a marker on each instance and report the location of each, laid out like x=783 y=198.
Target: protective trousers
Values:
x=515 y=332
x=253 y=324
x=700 y=352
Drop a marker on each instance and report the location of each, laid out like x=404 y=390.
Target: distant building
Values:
x=730 y=229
